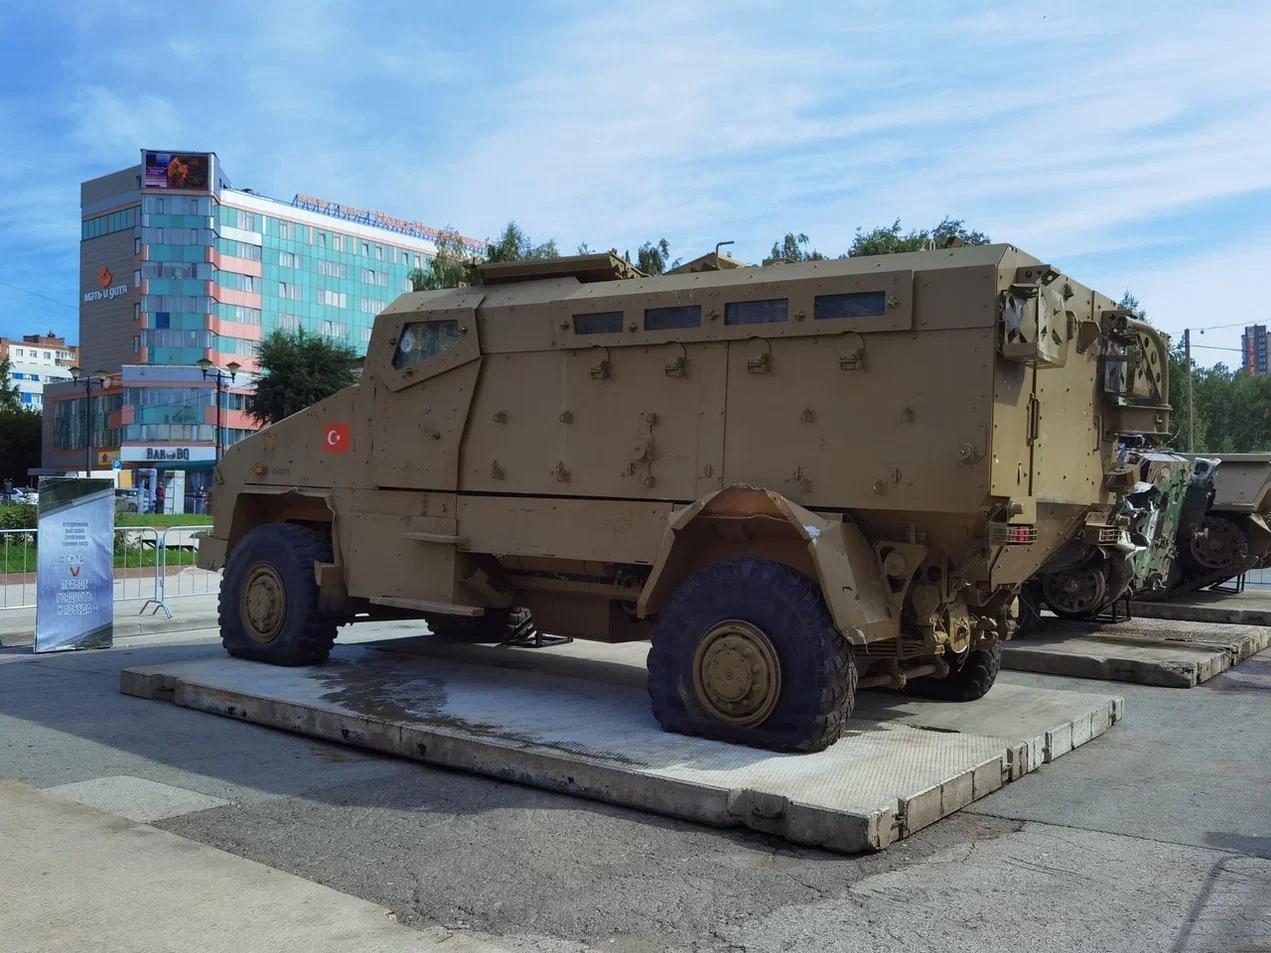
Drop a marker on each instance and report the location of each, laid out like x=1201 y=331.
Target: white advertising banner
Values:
x=75 y=585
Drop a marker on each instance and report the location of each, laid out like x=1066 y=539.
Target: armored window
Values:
x=667 y=319
x=858 y=304
x=423 y=340
x=607 y=322
x=756 y=312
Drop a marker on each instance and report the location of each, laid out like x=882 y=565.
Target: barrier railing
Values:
x=137 y=557
x=177 y=573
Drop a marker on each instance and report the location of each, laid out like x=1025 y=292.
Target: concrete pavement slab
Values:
x=77 y=879
x=1250 y=607
x=1166 y=652
x=543 y=718
x=138 y=799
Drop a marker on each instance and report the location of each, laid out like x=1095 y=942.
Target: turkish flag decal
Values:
x=336 y=439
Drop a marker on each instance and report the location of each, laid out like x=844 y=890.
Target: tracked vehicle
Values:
x=797 y=480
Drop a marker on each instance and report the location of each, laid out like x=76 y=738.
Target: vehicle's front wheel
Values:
x=746 y=652
x=269 y=597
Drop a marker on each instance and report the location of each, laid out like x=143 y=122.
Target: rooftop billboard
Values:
x=177 y=171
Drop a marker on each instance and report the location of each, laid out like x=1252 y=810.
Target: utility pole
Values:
x=1191 y=410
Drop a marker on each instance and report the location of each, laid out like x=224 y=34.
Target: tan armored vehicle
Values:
x=797 y=480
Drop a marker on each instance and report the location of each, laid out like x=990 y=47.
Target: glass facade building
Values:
x=177 y=266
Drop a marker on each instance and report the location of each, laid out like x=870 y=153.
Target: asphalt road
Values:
x=1156 y=836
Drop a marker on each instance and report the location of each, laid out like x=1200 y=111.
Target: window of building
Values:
x=858 y=304
x=287 y=259
x=366 y=335
x=336 y=299
x=288 y=291
x=606 y=322
x=337 y=242
x=365 y=249
x=321 y=238
x=333 y=269
x=247 y=221
x=680 y=316
x=425 y=339
x=136 y=278
x=757 y=312
x=285 y=230
x=379 y=252
x=136 y=245
x=289 y=322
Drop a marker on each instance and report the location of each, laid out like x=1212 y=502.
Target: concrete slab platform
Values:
x=1251 y=607
x=1166 y=652
x=576 y=719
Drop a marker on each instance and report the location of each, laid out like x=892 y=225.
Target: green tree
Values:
x=514 y=245
x=299 y=369
x=889 y=239
x=449 y=268
x=794 y=247
x=1131 y=303
x=10 y=399
x=653 y=258
x=20 y=431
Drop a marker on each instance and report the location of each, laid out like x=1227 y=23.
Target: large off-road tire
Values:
x=746 y=652
x=969 y=678
x=1030 y=611
x=494 y=626
x=269 y=597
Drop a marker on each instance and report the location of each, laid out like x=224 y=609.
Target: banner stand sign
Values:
x=75 y=583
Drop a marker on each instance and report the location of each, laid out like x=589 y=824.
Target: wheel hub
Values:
x=736 y=673
x=1218 y=544
x=264 y=603
x=1079 y=590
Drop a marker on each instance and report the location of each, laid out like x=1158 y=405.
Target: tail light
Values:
x=1012 y=534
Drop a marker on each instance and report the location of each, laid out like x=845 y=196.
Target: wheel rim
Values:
x=264 y=603
x=736 y=673
x=1080 y=590
x=1218 y=545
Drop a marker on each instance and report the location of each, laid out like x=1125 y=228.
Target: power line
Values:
x=36 y=294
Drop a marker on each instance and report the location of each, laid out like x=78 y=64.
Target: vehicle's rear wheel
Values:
x=1030 y=611
x=970 y=676
x=269 y=597
x=746 y=651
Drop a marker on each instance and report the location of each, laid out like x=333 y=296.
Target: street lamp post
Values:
x=218 y=375
x=100 y=379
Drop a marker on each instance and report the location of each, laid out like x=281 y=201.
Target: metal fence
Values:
x=151 y=566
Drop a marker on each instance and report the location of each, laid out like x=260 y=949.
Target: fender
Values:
x=742 y=520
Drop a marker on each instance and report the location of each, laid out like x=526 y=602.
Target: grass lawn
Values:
x=20 y=556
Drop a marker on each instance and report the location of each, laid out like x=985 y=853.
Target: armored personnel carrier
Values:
x=797 y=480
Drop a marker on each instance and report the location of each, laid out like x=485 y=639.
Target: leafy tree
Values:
x=449 y=268
x=794 y=247
x=1131 y=303
x=10 y=399
x=298 y=369
x=654 y=258
x=515 y=245
x=889 y=239
x=20 y=431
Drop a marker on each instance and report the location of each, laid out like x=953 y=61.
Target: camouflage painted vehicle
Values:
x=1129 y=552
x=797 y=480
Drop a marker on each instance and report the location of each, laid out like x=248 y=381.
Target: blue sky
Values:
x=1131 y=148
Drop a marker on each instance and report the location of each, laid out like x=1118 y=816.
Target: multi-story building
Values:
x=1253 y=348
x=176 y=267
x=36 y=360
